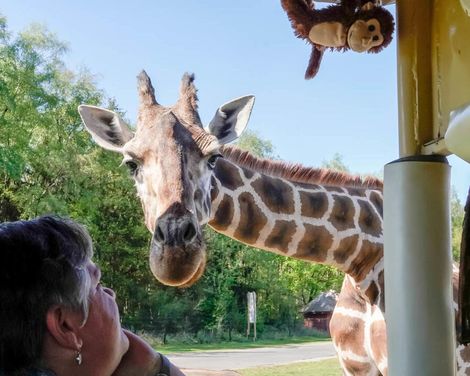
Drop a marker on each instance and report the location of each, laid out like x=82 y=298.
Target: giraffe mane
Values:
x=296 y=172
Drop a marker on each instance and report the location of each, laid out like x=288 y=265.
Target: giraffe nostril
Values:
x=189 y=232
x=159 y=234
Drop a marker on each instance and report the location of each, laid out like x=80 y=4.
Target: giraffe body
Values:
x=320 y=224
x=187 y=177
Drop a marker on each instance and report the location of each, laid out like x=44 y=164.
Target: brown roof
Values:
x=325 y=302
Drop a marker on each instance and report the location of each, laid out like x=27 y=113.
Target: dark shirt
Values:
x=40 y=372
x=33 y=372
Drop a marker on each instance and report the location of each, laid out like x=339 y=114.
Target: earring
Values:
x=78 y=358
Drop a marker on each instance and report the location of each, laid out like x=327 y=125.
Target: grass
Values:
x=329 y=367
x=187 y=347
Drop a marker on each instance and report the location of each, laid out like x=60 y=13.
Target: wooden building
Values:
x=317 y=314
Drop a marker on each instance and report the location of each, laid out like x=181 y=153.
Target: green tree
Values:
x=336 y=163
x=457 y=214
x=39 y=125
x=251 y=141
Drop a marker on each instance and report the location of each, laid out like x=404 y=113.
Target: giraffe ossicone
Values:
x=187 y=176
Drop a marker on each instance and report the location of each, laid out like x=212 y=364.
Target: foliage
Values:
x=457 y=214
x=336 y=163
x=250 y=140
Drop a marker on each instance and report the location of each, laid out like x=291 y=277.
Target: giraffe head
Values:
x=171 y=157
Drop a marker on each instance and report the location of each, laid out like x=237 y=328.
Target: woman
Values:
x=56 y=319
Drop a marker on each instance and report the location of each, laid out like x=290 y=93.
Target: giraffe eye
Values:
x=132 y=166
x=212 y=160
x=371 y=27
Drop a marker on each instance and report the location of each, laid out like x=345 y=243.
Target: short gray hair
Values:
x=42 y=264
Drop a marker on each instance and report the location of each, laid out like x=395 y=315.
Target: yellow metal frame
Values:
x=433 y=70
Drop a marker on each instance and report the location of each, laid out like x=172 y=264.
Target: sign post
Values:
x=251 y=301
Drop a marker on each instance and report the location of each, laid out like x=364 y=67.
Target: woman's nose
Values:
x=110 y=292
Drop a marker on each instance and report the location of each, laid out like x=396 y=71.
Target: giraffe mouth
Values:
x=176 y=266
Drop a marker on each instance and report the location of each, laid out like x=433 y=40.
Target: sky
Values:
x=236 y=48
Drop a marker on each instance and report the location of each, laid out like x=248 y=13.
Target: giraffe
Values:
x=187 y=176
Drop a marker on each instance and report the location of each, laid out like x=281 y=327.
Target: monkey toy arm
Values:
x=322 y=28
x=301 y=16
x=314 y=61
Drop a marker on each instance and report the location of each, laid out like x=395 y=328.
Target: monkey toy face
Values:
x=364 y=35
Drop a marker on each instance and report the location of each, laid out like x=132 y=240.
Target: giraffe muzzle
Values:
x=178 y=251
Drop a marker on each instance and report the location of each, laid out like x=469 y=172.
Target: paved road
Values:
x=239 y=359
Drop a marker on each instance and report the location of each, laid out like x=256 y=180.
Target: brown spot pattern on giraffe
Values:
x=281 y=235
x=313 y=204
x=276 y=195
x=332 y=188
x=224 y=215
x=377 y=201
x=228 y=175
x=214 y=189
x=346 y=248
x=342 y=215
x=247 y=172
x=349 y=332
x=369 y=256
x=252 y=220
x=372 y=292
x=306 y=186
x=465 y=354
x=358 y=192
x=369 y=222
x=315 y=244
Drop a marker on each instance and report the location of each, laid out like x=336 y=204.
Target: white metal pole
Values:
x=418 y=267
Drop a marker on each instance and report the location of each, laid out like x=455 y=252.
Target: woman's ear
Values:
x=63 y=325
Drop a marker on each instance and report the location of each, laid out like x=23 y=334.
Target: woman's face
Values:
x=104 y=342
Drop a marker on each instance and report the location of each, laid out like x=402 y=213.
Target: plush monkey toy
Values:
x=359 y=25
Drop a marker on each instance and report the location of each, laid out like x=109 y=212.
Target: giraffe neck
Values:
x=332 y=225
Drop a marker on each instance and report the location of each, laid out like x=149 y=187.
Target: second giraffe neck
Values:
x=337 y=226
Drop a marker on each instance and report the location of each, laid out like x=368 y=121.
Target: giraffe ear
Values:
x=106 y=127
x=231 y=119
